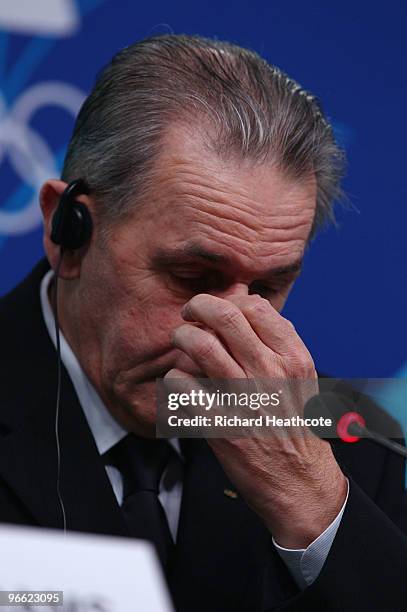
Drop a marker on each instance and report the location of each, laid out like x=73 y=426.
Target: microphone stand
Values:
x=355 y=429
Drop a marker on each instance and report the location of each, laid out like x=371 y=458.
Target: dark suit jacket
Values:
x=225 y=560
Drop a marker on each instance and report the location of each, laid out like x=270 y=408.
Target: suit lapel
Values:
x=90 y=502
x=28 y=463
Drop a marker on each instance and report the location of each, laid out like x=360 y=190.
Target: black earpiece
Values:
x=72 y=221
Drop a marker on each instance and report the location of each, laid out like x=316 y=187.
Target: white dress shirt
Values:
x=304 y=564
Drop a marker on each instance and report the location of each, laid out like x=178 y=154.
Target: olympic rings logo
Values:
x=27 y=151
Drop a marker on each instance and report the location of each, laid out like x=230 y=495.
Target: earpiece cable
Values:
x=58 y=397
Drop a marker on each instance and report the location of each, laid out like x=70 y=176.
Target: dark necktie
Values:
x=142 y=463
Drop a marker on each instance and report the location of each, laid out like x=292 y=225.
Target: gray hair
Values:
x=255 y=111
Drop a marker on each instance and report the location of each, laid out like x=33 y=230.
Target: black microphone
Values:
x=347 y=423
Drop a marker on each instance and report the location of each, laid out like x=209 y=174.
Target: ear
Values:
x=50 y=194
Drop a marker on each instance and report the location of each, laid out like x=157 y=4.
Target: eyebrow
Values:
x=179 y=255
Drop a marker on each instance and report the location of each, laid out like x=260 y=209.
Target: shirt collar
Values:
x=105 y=429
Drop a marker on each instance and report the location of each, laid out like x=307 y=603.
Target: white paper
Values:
x=95 y=573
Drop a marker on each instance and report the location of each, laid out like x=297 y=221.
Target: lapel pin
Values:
x=230 y=493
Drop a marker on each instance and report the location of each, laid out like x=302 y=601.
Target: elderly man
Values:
x=203 y=172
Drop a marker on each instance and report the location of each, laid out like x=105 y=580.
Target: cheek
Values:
x=159 y=309
x=144 y=331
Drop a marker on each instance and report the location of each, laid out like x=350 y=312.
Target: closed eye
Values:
x=205 y=281
x=198 y=281
x=212 y=281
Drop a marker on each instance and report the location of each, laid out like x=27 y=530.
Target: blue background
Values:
x=350 y=303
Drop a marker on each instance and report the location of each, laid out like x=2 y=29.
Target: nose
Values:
x=233 y=289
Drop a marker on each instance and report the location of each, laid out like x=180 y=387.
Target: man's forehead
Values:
x=187 y=161
x=222 y=212
x=246 y=202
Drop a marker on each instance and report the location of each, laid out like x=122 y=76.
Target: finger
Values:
x=177 y=381
x=184 y=363
x=270 y=326
x=206 y=350
x=230 y=324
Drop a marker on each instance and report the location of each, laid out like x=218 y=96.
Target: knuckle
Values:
x=259 y=307
x=207 y=349
x=301 y=364
x=230 y=317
